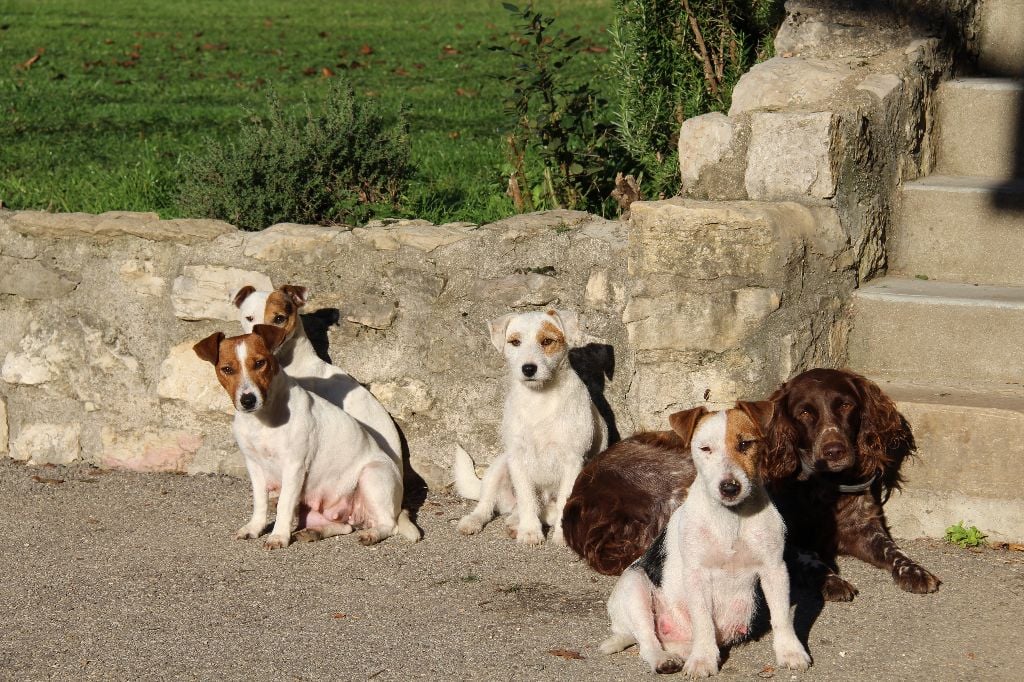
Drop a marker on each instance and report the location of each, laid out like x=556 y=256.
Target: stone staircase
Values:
x=943 y=332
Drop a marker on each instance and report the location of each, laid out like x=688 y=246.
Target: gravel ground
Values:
x=135 y=576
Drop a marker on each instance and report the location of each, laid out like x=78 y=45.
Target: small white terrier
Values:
x=550 y=425
x=693 y=589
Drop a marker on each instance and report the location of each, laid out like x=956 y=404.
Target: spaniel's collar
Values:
x=842 y=487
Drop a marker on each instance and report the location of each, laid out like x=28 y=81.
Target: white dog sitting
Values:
x=549 y=426
x=318 y=456
x=694 y=587
x=297 y=357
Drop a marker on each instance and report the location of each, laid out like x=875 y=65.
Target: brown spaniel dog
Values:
x=836 y=445
x=833 y=451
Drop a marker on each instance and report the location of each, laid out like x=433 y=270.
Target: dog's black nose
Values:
x=529 y=369
x=730 y=487
x=248 y=400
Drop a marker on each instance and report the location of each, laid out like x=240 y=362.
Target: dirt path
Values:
x=120 y=576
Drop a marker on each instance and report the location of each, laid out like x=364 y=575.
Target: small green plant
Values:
x=560 y=148
x=964 y=537
x=341 y=163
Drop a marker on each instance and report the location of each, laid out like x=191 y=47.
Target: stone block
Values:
x=790 y=156
x=703 y=141
x=204 y=292
x=138 y=274
x=183 y=376
x=43 y=443
x=112 y=224
x=143 y=450
x=4 y=428
x=32 y=280
x=372 y=314
x=426 y=238
x=698 y=322
x=405 y=398
x=278 y=241
x=517 y=291
x=788 y=83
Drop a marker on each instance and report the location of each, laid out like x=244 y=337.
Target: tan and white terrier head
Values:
x=536 y=344
x=279 y=307
x=245 y=365
x=727 y=447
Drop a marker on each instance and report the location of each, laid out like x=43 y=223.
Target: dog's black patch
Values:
x=653 y=560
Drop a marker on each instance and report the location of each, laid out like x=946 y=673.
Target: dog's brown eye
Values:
x=846 y=407
x=278 y=319
x=744 y=445
x=514 y=342
x=705 y=448
x=227 y=369
x=249 y=318
x=259 y=364
x=547 y=342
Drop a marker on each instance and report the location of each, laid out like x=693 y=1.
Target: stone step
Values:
x=1001 y=38
x=970 y=462
x=961 y=229
x=979 y=128
x=941 y=332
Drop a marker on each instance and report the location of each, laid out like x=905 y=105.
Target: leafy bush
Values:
x=561 y=151
x=675 y=59
x=964 y=537
x=339 y=164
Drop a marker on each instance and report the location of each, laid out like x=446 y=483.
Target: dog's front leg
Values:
x=258 y=520
x=530 y=531
x=694 y=595
x=293 y=474
x=873 y=544
x=789 y=652
x=564 y=491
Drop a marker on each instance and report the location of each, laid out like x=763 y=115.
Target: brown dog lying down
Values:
x=833 y=453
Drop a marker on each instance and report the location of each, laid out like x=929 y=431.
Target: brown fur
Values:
x=551 y=339
x=845 y=429
x=261 y=363
x=281 y=311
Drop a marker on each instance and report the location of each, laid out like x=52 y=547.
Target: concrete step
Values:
x=961 y=229
x=980 y=128
x=970 y=466
x=1001 y=38
x=938 y=332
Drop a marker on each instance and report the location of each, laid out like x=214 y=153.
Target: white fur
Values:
x=715 y=550
x=299 y=360
x=321 y=456
x=549 y=426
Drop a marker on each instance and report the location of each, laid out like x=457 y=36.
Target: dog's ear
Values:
x=298 y=294
x=497 y=328
x=760 y=412
x=242 y=294
x=272 y=336
x=209 y=348
x=569 y=321
x=781 y=459
x=684 y=423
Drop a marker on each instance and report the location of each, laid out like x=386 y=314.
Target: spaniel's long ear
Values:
x=781 y=459
x=209 y=348
x=884 y=438
x=760 y=413
x=684 y=423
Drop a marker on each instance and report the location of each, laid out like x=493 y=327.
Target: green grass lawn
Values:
x=123 y=90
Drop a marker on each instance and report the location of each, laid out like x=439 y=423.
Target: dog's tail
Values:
x=406 y=528
x=467 y=484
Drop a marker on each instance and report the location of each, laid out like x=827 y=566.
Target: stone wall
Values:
x=100 y=313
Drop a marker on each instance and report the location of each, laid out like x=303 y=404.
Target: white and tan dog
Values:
x=549 y=426
x=320 y=458
x=693 y=589
x=297 y=357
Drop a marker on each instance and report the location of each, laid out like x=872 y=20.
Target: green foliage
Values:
x=561 y=151
x=335 y=165
x=964 y=537
x=675 y=59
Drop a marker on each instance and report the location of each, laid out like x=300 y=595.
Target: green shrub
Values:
x=675 y=59
x=560 y=149
x=340 y=164
x=964 y=537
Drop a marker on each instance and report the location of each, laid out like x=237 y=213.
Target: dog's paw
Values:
x=792 y=656
x=701 y=666
x=247 y=532
x=276 y=542
x=837 y=589
x=914 y=578
x=470 y=525
x=532 y=537
x=668 y=665
x=369 y=536
x=558 y=537
x=308 y=535
x=512 y=530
